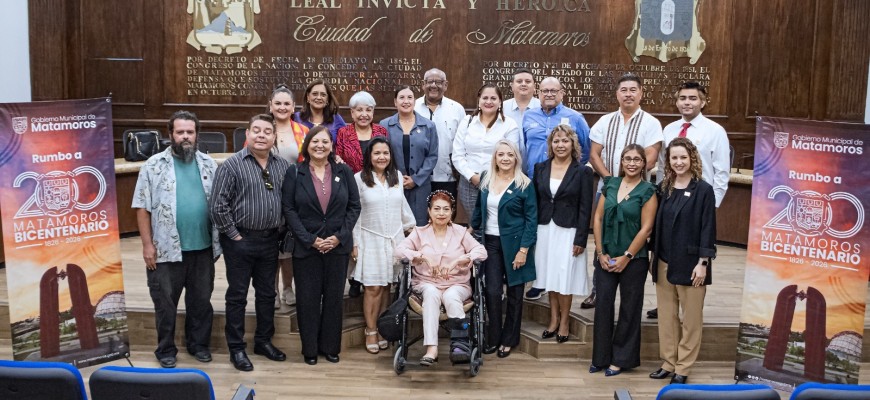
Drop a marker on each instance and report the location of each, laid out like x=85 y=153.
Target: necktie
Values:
x=685 y=129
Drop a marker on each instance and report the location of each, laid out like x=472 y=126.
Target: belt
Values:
x=258 y=233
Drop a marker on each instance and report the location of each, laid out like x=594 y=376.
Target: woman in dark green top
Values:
x=623 y=221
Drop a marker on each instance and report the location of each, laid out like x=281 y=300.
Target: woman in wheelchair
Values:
x=441 y=255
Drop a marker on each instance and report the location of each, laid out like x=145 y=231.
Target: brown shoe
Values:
x=589 y=302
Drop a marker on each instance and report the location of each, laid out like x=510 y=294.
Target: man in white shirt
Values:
x=523 y=87
x=446 y=115
x=708 y=136
x=628 y=125
x=614 y=131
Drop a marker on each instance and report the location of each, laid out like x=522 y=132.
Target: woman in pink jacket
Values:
x=441 y=254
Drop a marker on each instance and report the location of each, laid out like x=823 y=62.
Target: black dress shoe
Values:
x=167 y=362
x=202 y=356
x=593 y=369
x=589 y=302
x=660 y=374
x=490 y=349
x=240 y=361
x=561 y=339
x=504 y=353
x=333 y=358
x=653 y=314
x=310 y=360
x=269 y=351
x=547 y=334
x=679 y=379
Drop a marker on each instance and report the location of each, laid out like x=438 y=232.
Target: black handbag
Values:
x=288 y=243
x=140 y=145
x=392 y=320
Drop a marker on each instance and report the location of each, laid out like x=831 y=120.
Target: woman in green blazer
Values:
x=506 y=215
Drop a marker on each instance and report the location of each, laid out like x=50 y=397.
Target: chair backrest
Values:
x=717 y=392
x=239 y=138
x=40 y=380
x=212 y=142
x=830 y=391
x=113 y=383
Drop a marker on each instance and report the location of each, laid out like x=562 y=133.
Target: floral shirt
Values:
x=155 y=192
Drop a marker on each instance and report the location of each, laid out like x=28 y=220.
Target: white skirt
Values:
x=556 y=268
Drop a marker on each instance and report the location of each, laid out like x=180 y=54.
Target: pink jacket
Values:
x=459 y=243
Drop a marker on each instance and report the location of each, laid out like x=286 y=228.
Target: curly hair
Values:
x=694 y=163
x=576 y=148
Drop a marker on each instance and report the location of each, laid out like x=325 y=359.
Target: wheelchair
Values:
x=474 y=309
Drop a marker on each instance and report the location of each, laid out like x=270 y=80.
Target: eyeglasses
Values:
x=632 y=160
x=434 y=82
x=550 y=92
x=267 y=179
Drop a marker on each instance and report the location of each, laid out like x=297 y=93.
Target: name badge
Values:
x=509 y=192
x=687 y=194
x=337 y=179
x=564 y=122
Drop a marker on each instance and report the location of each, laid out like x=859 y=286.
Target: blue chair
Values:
x=128 y=383
x=40 y=380
x=830 y=391
x=717 y=392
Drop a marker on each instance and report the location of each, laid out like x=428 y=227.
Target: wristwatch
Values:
x=629 y=255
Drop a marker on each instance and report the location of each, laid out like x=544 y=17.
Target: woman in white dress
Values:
x=564 y=192
x=384 y=218
x=475 y=142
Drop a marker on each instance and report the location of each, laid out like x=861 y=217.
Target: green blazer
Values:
x=517 y=226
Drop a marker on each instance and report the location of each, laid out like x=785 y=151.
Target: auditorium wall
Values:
x=789 y=58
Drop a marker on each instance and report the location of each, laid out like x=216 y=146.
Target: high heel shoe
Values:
x=372 y=348
x=548 y=334
x=561 y=339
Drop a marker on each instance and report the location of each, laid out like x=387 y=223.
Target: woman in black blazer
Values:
x=684 y=246
x=564 y=192
x=321 y=206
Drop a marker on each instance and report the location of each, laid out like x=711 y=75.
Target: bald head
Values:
x=550 y=93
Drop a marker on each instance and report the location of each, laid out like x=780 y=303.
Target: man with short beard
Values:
x=179 y=243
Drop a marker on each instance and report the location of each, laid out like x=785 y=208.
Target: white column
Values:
x=15 y=60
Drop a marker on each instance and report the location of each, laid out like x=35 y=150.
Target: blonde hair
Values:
x=520 y=179
x=572 y=136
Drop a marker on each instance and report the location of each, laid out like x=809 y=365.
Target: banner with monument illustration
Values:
x=60 y=232
x=806 y=276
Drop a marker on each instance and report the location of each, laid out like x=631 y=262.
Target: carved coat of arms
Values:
x=666 y=29
x=223 y=25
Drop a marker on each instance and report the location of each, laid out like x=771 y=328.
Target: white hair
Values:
x=361 y=99
x=520 y=179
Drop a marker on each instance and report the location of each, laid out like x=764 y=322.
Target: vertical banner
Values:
x=806 y=275
x=60 y=232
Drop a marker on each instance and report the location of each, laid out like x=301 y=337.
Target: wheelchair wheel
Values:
x=399 y=361
x=476 y=362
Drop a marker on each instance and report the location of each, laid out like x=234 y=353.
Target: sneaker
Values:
x=289 y=297
x=535 y=294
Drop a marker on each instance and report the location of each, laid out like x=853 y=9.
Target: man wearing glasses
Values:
x=246 y=209
x=537 y=125
x=179 y=244
x=614 y=131
x=446 y=115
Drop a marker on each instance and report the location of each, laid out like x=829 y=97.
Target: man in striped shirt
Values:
x=245 y=208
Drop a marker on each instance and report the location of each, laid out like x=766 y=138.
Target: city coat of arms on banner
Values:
x=223 y=25
x=666 y=29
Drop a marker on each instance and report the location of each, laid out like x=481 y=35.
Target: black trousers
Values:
x=195 y=275
x=319 y=301
x=506 y=333
x=619 y=346
x=254 y=258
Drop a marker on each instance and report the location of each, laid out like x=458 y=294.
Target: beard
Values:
x=182 y=152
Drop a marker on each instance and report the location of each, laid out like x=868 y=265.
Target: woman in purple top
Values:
x=319 y=107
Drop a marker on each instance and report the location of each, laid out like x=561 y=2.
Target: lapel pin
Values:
x=509 y=192
x=337 y=179
x=687 y=194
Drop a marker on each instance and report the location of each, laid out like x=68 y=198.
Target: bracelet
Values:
x=524 y=251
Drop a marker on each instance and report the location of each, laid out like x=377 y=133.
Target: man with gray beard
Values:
x=179 y=243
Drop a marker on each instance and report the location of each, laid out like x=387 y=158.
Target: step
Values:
x=549 y=349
